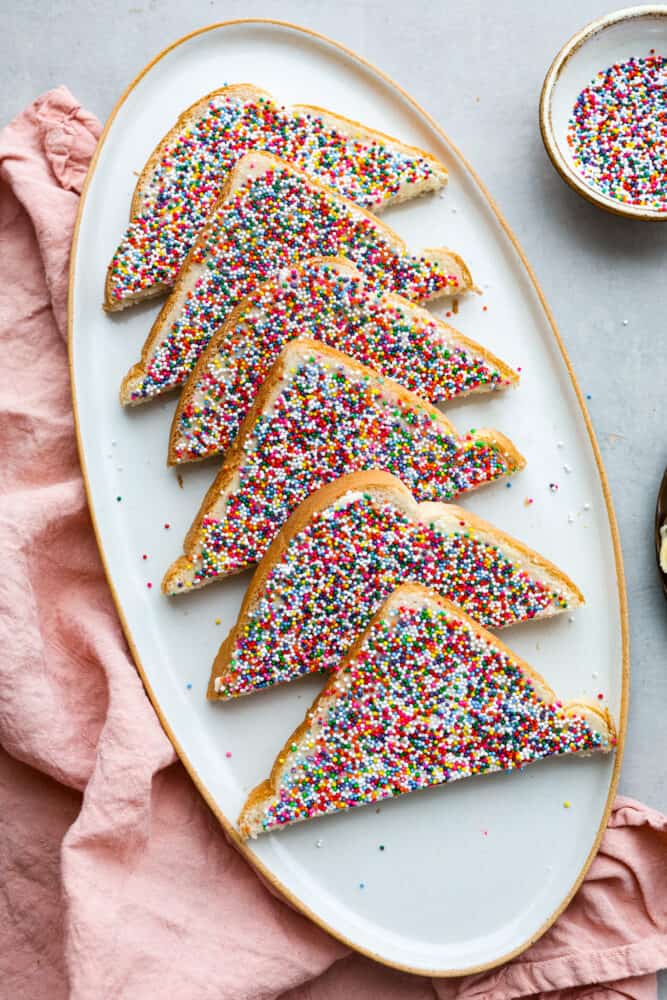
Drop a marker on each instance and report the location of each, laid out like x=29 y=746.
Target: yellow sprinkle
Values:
x=217 y=621
x=567 y=804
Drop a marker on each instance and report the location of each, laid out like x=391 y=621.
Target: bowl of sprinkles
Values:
x=603 y=112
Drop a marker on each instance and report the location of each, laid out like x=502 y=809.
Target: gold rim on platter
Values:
x=228 y=827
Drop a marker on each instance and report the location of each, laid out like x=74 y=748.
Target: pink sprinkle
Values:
x=228 y=754
x=149 y=585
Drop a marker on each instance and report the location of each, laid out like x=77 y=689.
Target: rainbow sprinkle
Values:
x=618 y=132
x=193 y=169
x=335 y=573
x=322 y=302
x=329 y=417
x=426 y=700
x=273 y=219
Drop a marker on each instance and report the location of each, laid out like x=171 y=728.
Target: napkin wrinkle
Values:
x=119 y=881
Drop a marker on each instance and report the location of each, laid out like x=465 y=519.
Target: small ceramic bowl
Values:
x=614 y=38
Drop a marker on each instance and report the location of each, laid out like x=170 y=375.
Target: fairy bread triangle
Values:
x=344 y=550
x=319 y=415
x=188 y=169
x=271 y=215
x=326 y=299
x=425 y=697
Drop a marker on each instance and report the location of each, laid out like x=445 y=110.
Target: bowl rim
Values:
x=571 y=178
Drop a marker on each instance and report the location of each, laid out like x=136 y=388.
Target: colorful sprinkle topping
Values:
x=273 y=219
x=425 y=701
x=326 y=419
x=193 y=170
x=336 y=572
x=618 y=132
x=320 y=302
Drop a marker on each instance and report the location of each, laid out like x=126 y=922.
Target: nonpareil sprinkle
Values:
x=618 y=129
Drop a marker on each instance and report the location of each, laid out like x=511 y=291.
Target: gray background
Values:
x=478 y=68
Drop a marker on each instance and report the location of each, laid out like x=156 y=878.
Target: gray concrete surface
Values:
x=478 y=67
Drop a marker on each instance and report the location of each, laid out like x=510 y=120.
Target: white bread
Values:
x=318 y=415
x=271 y=215
x=425 y=696
x=326 y=299
x=188 y=169
x=300 y=613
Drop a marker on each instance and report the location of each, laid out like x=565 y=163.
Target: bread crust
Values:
x=192 y=270
x=343 y=267
x=248 y=92
x=375 y=481
x=261 y=796
x=184 y=566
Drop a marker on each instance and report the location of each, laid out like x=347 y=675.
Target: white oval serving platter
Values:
x=470 y=874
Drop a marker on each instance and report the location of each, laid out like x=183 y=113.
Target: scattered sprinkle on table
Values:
x=567 y=804
x=189 y=686
x=617 y=132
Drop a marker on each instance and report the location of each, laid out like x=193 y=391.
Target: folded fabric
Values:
x=117 y=881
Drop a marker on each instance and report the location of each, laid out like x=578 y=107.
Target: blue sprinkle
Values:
x=588 y=395
x=188 y=686
x=362 y=885
x=508 y=485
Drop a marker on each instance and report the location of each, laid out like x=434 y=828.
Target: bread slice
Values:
x=425 y=697
x=271 y=215
x=344 y=550
x=189 y=167
x=326 y=299
x=318 y=415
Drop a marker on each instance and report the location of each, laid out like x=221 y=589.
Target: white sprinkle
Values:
x=113 y=444
x=567 y=468
x=570 y=518
x=570 y=618
x=453 y=211
x=595 y=674
x=625 y=322
x=119 y=468
x=587 y=506
x=318 y=843
x=560 y=444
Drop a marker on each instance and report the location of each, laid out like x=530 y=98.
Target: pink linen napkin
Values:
x=117 y=881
